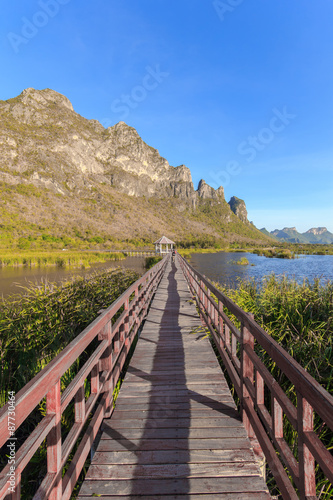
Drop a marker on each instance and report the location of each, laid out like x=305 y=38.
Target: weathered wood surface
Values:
x=175 y=433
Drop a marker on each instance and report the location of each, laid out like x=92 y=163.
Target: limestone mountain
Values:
x=314 y=235
x=239 y=208
x=62 y=173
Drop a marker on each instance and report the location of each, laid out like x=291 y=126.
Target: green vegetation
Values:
x=279 y=253
x=59 y=259
x=242 y=262
x=35 y=328
x=290 y=251
x=310 y=249
x=300 y=318
x=151 y=261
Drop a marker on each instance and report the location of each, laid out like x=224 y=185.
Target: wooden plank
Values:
x=185 y=486
x=175 y=433
x=182 y=404
x=172 y=456
x=122 y=443
x=174 y=423
x=164 y=471
x=125 y=413
x=191 y=399
x=260 y=495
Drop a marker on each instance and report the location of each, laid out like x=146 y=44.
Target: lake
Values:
x=13 y=280
x=222 y=267
x=218 y=266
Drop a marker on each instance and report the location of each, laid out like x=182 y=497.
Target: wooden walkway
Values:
x=175 y=432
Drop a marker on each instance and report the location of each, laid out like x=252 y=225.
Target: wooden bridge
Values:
x=175 y=432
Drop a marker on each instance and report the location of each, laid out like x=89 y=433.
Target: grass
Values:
x=34 y=328
x=300 y=318
x=59 y=259
x=242 y=262
x=151 y=261
x=279 y=253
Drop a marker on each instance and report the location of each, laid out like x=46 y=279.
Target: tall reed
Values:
x=35 y=327
x=56 y=258
x=300 y=318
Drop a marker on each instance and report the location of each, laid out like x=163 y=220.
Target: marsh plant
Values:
x=59 y=259
x=300 y=318
x=34 y=328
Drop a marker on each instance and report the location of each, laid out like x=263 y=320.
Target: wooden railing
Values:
x=102 y=370
x=255 y=386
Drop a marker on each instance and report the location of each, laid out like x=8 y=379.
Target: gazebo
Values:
x=164 y=241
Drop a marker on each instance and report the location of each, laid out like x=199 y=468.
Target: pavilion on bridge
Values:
x=163 y=245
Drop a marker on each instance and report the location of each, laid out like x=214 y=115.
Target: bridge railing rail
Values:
x=253 y=381
x=102 y=369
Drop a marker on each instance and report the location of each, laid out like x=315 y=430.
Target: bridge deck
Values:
x=175 y=432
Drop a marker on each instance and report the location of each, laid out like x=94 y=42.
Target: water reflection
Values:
x=222 y=267
x=15 y=280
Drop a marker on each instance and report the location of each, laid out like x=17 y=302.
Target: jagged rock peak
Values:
x=206 y=191
x=317 y=230
x=239 y=208
x=183 y=173
x=39 y=98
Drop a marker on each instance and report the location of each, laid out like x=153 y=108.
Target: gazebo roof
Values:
x=164 y=240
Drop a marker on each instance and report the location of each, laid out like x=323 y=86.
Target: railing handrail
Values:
x=37 y=388
x=104 y=365
x=306 y=385
x=249 y=376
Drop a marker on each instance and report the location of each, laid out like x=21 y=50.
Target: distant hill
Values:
x=314 y=235
x=65 y=178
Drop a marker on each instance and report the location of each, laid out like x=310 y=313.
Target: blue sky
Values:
x=240 y=91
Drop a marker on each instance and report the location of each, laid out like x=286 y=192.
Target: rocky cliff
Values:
x=59 y=170
x=65 y=152
x=239 y=208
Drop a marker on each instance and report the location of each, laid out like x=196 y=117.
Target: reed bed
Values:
x=300 y=318
x=34 y=328
x=151 y=261
x=59 y=259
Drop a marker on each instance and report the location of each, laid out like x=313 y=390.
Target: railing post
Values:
x=260 y=389
x=126 y=321
x=201 y=293
x=136 y=309
x=221 y=322
x=246 y=372
x=53 y=407
x=208 y=307
x=227 y=338
x=307 y=478
x=94 y=379
x=277 y=419
x=80 y=405
x=106 y=359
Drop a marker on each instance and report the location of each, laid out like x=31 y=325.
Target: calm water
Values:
x=221 y=267
x=14 y=280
